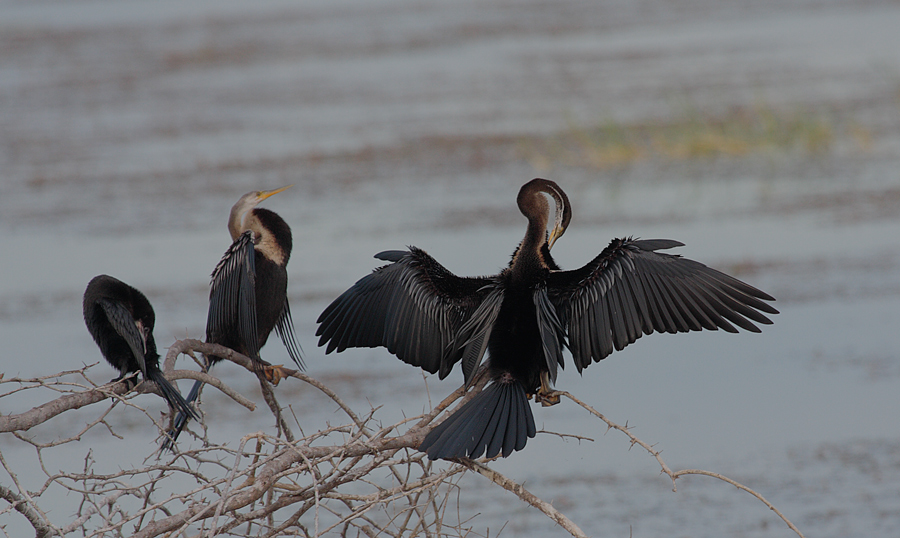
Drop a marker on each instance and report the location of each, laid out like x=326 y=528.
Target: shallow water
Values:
x=127 y=132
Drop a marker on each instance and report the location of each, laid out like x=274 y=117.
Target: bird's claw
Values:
x=129 y=380
x=545 y=394
x=546 y=399
x=274 y=374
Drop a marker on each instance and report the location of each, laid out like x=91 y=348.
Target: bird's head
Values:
x=531 y=200
x=244 y=206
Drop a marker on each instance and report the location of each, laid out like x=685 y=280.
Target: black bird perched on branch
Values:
x=121 y=320
x=525 y=315
x=248 y=290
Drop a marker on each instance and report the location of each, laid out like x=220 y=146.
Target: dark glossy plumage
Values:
x=248 y=289
x=473 y=430
x=248 y=293
x=121 y=320
x=525 y=315
x=413 y=307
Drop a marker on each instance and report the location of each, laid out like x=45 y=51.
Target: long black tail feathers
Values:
x=498 y=419
x=171 y=394
x=181 y=419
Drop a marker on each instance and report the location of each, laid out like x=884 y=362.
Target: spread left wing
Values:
x=629 y=290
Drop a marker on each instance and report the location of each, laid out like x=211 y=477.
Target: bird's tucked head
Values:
x=533 y=203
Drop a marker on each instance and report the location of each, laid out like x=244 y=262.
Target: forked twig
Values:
x=674 y=475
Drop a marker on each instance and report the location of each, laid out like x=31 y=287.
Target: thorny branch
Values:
x=81 y=395
x=675 y=475
x=357 y=478
x=526 y=496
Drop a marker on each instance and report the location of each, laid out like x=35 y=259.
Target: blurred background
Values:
x=764 y=135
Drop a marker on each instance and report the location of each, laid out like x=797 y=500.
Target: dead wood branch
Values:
x=360 y=477
x=20 y=504
x=674 y=475
x=525 y=495
x=91 y=395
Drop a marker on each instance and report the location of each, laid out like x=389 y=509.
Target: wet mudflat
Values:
x=762 y=135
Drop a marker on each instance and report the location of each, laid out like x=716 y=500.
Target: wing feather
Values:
x=553 y=335
x=122 y=321
x=417 y=309
x=630 y=290
x=473 y=336
x=232 y=296
x=284 y=328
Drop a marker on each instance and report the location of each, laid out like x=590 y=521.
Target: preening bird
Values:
x=121 y=320
x=248 y=290
x=525 y=315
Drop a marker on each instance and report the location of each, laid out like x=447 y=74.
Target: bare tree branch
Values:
x=525 y=495
x=674 y=475
x=76 y=400
x=20 y=504
x=43 y=413
x=359 y=478
x=771 y=507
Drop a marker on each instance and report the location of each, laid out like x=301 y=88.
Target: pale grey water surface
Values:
x=127 y=130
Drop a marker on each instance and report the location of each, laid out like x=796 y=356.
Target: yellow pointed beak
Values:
x=555 y=234
x=262 y=195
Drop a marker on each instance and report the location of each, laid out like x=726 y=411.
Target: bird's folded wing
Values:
x=232 y=296
x=123 y=323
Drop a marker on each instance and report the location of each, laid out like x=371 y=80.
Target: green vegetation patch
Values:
x=739 y=132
